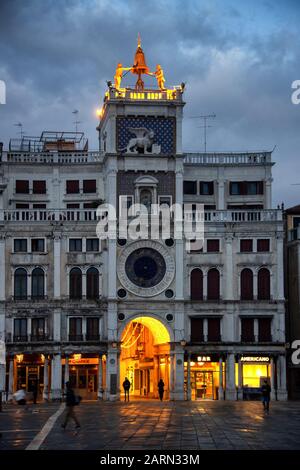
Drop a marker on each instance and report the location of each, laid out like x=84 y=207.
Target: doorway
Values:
x=145 y=357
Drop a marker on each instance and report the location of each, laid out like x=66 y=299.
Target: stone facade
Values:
x=232 y=214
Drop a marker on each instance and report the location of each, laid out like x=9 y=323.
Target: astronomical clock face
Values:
x=146 y=268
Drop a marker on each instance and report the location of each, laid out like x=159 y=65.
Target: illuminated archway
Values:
x=145 y=356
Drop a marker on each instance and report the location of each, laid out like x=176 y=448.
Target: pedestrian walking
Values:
x=161 y=389
x=126 y=386
x=34 y=390
x=71 y=401
x=266 y=392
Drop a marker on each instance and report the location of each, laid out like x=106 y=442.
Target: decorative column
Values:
x=57 y=264
x=229 y=268
x=272 y=378
x=11 y=378
x=67 y=373
x=268 y=195
x=280 y=266
x=188 y=391
x=240 y=379
x=281 y=378
x=55 y=393
x=179 y=247
x=100 y=379
x=56 y=324
x=46 y=379
x=221 y=195
x=179 y=375
x=2 y=267
x=230 y=377
x=112 y=368
x=221 y=384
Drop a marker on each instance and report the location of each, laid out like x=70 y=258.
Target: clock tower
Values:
x=140 y=138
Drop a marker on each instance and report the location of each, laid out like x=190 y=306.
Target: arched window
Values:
x=263 y=284
x=92 y=283
x=213 y=284
x=20 y=284
x=246 y=284
x=75 y=283
x=37 y=284
x=196 y=284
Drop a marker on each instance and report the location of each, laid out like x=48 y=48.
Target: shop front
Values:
x=203 y=375
x=82 y=371
x=29 y=373
x=251 y=372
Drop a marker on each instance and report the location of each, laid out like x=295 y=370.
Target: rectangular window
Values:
x=39 y=206
x=213 y=329
x=73 y=206
x=206 y=188
x=165 y=200
x=75 y=244
x=296 y=222
x=89 y=186
x=92 y=244
x=20 y=245
x=235 y=189
x=196 y=330
x=75 y=329
x=39 y=187
x=263 y=244
x=247 y=330
x=264 y=329
x=37 y=329
x=22 y=206
x=38 y=245
x=190 y=187
x=72 y=187
x=213 y=246
x=92 y=329
x=246 y=246
x=20 y=329
x=22 y=187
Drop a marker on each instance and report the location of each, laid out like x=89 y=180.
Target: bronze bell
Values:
x=139 y=65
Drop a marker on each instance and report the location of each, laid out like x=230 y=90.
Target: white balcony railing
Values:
x=52 y=157
x=85 y=215
x=247 y=158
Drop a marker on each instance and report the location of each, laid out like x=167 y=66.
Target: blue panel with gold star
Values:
x=164 y=131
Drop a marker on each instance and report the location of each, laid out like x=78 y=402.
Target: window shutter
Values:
x=72 y=186
x=213 y=329
x=196 y=284
x=89 y=186
x=213 y=284
x=213 y=246
x=264 y=329
x=22 y=186
x=246 y=284
x=39 y=187
x=196 y=330
x=246 y=246
x=263 y=244
x=260 y=187
x=263 y=288
x=247 y=329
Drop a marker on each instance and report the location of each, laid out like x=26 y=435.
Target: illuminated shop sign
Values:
x=84 y=361
x=203 y=359
x=255 y=359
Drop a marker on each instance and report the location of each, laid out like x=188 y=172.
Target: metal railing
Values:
x=294 y=234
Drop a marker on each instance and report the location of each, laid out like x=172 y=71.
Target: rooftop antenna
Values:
x=205 y=117
x=20 y=125
x=76 y=122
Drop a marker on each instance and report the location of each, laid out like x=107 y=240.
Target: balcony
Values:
x=39 y=338
x=220 y=158
x=294 y=234
x=92 y=337
x=90 y=215
x=75 y=338
x=20 y=338
x=65 y=158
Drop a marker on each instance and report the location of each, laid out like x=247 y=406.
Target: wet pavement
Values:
x=153 y=425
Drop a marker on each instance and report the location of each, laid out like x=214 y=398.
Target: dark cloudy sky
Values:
x=238 y=59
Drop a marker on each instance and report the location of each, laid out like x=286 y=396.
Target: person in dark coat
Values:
x=34 y=390
x=266 y=393
x=70 y=403
x=126 y=386
x=161 y=389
